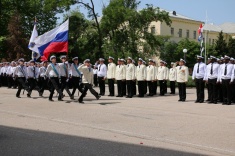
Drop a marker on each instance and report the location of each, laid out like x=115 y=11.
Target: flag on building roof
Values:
x=200 y=31
x=53 y=41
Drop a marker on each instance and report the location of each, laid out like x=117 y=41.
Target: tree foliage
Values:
x=221 y=45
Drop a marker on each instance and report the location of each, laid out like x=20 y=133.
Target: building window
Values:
x=194 y=34
x=172 y=31
x=209 y=41
x=153 y=30
x=180 y=32
x=187 y=33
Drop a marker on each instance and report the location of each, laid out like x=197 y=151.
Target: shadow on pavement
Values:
x=16 y=141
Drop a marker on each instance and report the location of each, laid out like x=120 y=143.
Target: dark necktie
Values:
x=211 y=68
x=99 y=67
x=198 y=68
x=119 y=66
x=139 y=66
x=225 y=70
x=180 y=67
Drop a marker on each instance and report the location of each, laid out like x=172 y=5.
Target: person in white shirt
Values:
x=75 y=75
x=21 y=75
x=141 y=75
x=95 y=71
x=64 y=75
x=199 y=71
x=150 y=77
x=87 y=80
x=226 y=78
x=182 y=78
x=130 y=77
x=42 y=77
x=162 y=77
x=111 y=75
x=102 y=74
x=120 y=76
x=172 y=77
x=32 y=77
x=53 y=72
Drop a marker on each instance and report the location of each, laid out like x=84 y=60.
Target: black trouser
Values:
x=86 y=87
x=4 y=80
x=9 y=81
x=101 y=85
x=0 y=80
x=165 y=86
x=154 y=87
x=32 y=85
x=129 y=84
x=182 y=91
x=162 y=87
x=65 y=85
x=172 y=86
x=54 y=85
x=124 y=88
x=111 y=86
x=150 y=86
x=226 y=91
x=141 y=89
x=200 y=86
x=220 y=92
x=208 y=92
x=76 y=85
x=120 y=87
x=212 y=86
x=233 y=92
x=145 y=87
x=42 y=84
x=95 y=80
x=21 y=84
x=134 y=87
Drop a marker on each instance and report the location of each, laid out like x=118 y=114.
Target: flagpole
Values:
x=206 y=31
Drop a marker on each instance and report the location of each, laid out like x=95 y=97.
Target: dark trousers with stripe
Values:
x=111 y=86
x=101 y=85
x=65 y=85
x=120 y=87
x=213 y=87
x=129 y=84
x=141 y=89
x=76 y=85
x=55 y=85
x=182 y=91
x=226 y=91
x=21 y=85
x=172 y=86
x=32 y=85
x=200 y=86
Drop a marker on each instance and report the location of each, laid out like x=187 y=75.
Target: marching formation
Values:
x=218 y=75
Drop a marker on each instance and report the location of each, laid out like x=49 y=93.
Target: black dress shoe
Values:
x=18 y=96
x=179 y=100
x=197 y=101
x=60 y=100
x=210 y=102
x=72 y=97
x=215 y=102
x=228 y=103
x=183 y=100
x=118 y=96
x=28 y=96
x=40 y=94
x=51 y=100
x=80 y=101
x=128 y=97
x=201 y=101
x=98 y=97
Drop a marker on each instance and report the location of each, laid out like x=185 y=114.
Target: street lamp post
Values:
x=185 y=51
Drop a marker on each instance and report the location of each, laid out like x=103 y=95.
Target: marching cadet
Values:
x=102 y=74
x=54 y=78
x=141 y=77
x=21 y=75
x=172 y=77
x=42 y=78
x=212 y=79
x=182 y=78
x=155 y=78
x=130 y=77
x=120 y=76
x=150 y=77
x=111 y=75
x=87 y=80
x=64 y=75
x=198 y=76
x=161 y=77
x=226 y=78
x=76 y=76
x=32 y=77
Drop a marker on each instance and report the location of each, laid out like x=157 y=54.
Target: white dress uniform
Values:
x=42 y=71
x=102 y=74
x=50 y=71
x=150 y=77
x=111 y=76
x=172 y=79
x=141 y=75
x=182 y=74
x=130 y=77
x=21 y=74
x=63 y=69
x=120 y=76
x=162 y=77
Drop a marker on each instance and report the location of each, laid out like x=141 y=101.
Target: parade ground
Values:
x=111 y=126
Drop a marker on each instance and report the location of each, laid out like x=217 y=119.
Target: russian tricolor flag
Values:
x=53 y=41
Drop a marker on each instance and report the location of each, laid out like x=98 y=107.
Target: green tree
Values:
x=231 y=47
x=221 y=45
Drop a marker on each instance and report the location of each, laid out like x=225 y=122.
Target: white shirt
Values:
x=215 y=71
x=130 y=71
x=95 y=71
x=230 y=72
x=50 y=71
x=172 y=74
x=150 y=73
x=73 y=71
x=42 y=71
x=87 y=76
x=64 y=69
x=102 y=70
x=32 y=72
x=182 y=74
x=199 y=73
x=162 y=73
x=141 y=73
x=111 y=71
x=9 y=70
x=20 y=71
x=3 y=70
x=120 y=73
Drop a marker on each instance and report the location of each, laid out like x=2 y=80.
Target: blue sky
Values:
x=218 y=11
